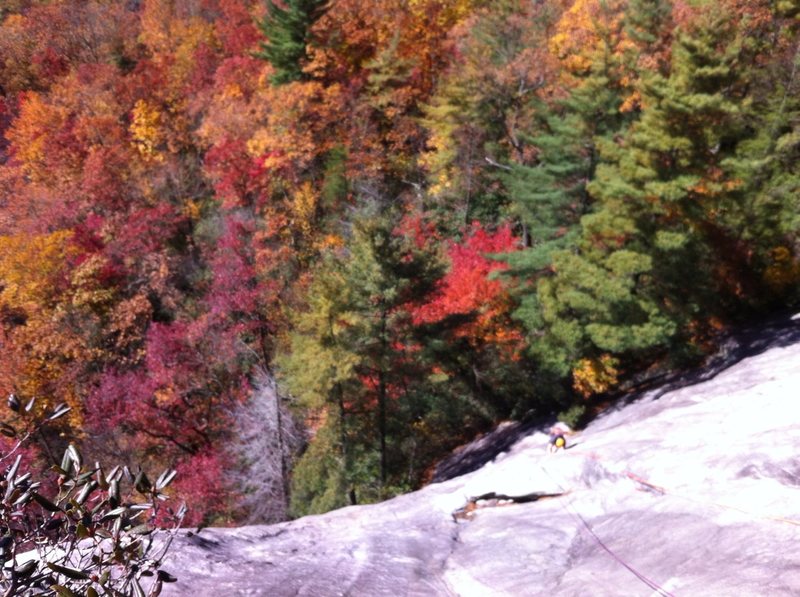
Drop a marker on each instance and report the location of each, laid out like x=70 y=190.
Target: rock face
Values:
x=694 y=491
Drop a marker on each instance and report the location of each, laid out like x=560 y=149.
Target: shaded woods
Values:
x=419 y=217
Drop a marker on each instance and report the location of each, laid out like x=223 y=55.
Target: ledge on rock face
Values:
x=492 y=499
x=689 y=490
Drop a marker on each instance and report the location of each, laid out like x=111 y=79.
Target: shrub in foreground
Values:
x=93 y=533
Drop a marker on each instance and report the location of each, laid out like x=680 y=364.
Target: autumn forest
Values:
x=300 y=250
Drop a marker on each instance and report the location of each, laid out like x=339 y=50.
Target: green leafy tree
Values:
x=550 y=194
x=766 y=165
x=287 y=30
x=349 y=358
x=658 y=260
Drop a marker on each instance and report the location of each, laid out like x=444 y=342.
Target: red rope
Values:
x=650 y=583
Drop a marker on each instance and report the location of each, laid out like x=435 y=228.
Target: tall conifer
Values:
x=551 y=195
x=287 y=31
x=766 y=166
x=657 y=259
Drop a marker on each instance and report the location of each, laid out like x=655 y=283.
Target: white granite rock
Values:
x=690 y=492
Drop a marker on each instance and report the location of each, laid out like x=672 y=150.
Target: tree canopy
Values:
x=409 y=219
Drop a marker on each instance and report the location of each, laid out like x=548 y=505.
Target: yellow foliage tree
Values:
x=586 y=27
x=145 y=130
x=29 y=267
x=595 y=375
x=38 y=340
x=304 y=208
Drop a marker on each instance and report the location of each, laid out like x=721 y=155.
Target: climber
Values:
x=558 y=433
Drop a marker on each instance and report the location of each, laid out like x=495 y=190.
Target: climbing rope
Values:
x=650 y=583
x=570 y=509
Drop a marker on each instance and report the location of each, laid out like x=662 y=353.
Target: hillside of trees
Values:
x=418 y=217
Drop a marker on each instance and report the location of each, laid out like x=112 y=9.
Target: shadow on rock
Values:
x=474 y=455
x=732 y=348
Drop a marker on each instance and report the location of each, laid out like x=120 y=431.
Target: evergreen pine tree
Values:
x=287 y=32
x=550 y=196
x=766 y=166
x=647 y=20
x=657 y=260
x=649 y=28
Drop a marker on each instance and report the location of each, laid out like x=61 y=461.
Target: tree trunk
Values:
x=382 y=399
x=351 y=494
x=282 y=450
